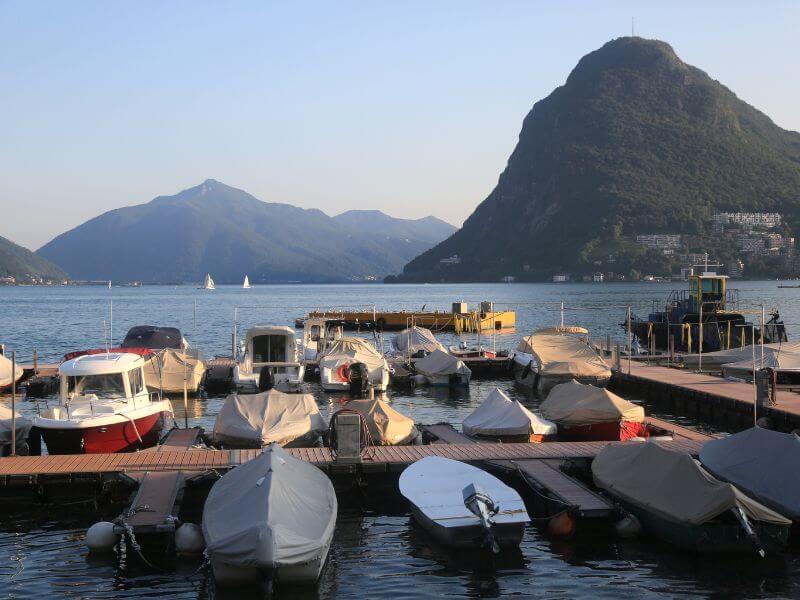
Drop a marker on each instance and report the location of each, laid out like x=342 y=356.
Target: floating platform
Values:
x=466 y=322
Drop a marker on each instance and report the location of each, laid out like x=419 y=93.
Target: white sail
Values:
x=209 y=283
x=246 y=284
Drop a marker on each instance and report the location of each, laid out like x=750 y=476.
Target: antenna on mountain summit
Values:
x=632 y=33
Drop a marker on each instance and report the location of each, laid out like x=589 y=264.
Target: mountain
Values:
x=635 y=141
x=214 y=228
x=428 y=230
x=21 y=263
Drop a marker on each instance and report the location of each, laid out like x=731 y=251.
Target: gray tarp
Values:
x=722 y=357
x=762 y=463
x=671 y=484
x=574 y=403
x=499 y=415
x=414 y=339
x=23 y=426
x=785 y=359
x=273 y=511
x=386 y=426
x=440 y=363
x=272 y=416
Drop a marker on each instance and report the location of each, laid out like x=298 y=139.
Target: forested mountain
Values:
x=22 y=264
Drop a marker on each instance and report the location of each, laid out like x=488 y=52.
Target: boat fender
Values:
x=343 y=373
x=562 y=525
x=101 y=537
x=420 y=380
x=628 y=527
x=764 y=423
x=189 y=539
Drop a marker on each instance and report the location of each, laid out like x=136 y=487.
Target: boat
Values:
x=714 y=361
x=710 y=300
x=172 y=365
x=318 y=334
x=246 y=283
x=336 y=362
x=270 y=520
x=442 y=369
x=20 y=424
x=761 y=463
x=784 y=361
x=463 y=506
x=678 y=501
x=208 y=283
x=104 y=406
x=556 y=355
x=585 y=412
x=6 y=377
x=272 y=347
x=466 y=352
x=415 y=342
x=383 y=425
x=501 y=419
x=255 y=421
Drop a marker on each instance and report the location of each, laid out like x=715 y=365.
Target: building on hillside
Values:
x=735 y=269
x=666 y=242
x=745 y=220
x=561 y=278
x=597 y=278
x=451 y=260
x=508 y=279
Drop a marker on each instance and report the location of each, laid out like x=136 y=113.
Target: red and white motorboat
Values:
x=104 y=406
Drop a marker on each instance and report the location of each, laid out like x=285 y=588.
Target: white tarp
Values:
x=786 y=358
x=167 y=368
x=272 y=511
x=386 y=426
x=723 y=357
x=414 y=339
x=23 y=426
x=347 y=350
x=272 y=416
x=499 y=415
x=574 y=403
x=762 y=463
x=5 y=371
x=671 y=484
x=564 y=355
x=439 y=362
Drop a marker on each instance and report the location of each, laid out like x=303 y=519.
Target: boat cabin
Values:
x=112 y=376
x=318 y=335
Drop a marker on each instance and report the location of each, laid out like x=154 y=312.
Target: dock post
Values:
x=762 y=392
x=13 y=403
x=348 y=438
x=617 y=359
x=608 y=343
x=35 y=362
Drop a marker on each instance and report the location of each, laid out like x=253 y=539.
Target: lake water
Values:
x=376 y=552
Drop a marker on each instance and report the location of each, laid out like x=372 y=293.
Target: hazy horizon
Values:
x=411 y=109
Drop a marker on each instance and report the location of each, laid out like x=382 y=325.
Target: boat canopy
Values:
x=272 y=511
x=440 y=362
x=151 y=336
x=671 y=484
x=414 y=339
x=101 y=364
x=386 y=426
x=271 y=416
x=348 y=350
x=574 y=403
x=563 y=355
x=5 y=371
x=762 y=463
x=499 y=415
x=735 y=355
x=23 y=426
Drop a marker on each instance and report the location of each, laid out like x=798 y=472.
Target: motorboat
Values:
x=6 y=377
x=501 y=419
x=463 y=506
x=585 y=412
x=680 y=502
x=761 y=463
x=271 y=347
x=318 y=335
x=246 y=283
x=340 y=356
x=383 y=425
x=13 y=422
x=104 y=406
x=254 y=421
x=172 y=364
x=208 y=283
x=783 y=361
x=442 y=369
x=270 y=519
x=415 y=342
x=555 y=355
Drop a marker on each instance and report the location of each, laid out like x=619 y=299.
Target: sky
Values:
x=408 y=107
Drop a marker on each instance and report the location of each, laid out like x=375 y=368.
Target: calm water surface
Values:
x=376 y=551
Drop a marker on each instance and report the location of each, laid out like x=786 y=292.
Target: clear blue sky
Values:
x=409 y=107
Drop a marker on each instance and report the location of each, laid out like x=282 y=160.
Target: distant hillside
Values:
x=428 y=230
x=214 y=228
x=635 y=141
x=21 y=263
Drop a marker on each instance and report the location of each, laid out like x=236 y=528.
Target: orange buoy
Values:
x=562 y=525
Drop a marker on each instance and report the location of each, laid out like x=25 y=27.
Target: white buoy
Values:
x=628 y=527
x=189 y=539
x=101 y=537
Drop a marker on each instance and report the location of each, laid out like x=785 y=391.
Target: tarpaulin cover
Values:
x=165 y=370
x=348 y=350
x=439 y=362
x=499 y=415
x=150 y=336
x=23 y=426
x=671 y=484
x=273 y=511
x=762 y=463
x=271 y=416
x=734 y=355
x=785 y=359
x=574 y=403
x=386 y=426
x=559 y=355
x=414 y=339
x=5 y=371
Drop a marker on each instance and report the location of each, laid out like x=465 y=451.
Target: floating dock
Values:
x=459 y=322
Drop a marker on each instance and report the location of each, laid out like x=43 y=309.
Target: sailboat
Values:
x=208 y=283
x=246 y=284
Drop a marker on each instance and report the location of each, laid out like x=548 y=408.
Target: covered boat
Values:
x=385 y=425
x=678 y=501
x=712 y=361
x=500 y=418
x=341 y=354
x=6 y=377
x=415 y=342
x=253 y=421
x=271 y=519
x=783 y=360
x=171 y=361
x=443 y=369
x=586 y=412
x=7 y=425
x=318 y=334
x=553 y=356
x=463 y=506
x=269 y=347
x=763 y=464
x=104 y=406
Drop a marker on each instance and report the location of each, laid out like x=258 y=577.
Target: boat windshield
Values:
x=110 y=385
x=269 y=348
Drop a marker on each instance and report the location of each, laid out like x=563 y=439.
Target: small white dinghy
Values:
x=463 y=506
x=270 y=520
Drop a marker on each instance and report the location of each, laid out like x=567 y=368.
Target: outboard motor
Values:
x=358 y=378
x=480 y=504
x=265 y=380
